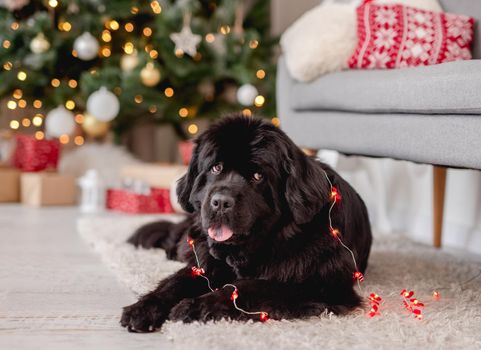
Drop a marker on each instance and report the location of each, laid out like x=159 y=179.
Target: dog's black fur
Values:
x=281 y=256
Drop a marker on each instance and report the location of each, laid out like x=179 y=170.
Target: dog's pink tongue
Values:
x=220 y=233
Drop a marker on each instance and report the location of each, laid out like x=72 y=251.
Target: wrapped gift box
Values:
x=9 y=184
x=35 y=155
x=7 y=144
x=127 y=201
x=153 y=174
x=185 y=149
x=47 y=188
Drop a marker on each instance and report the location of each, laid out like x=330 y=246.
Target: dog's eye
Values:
x=257 y=177
x=217 y=169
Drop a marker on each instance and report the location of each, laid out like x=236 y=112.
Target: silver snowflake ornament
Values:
x=186 y=41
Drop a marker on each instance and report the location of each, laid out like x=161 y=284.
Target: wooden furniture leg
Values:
x=311 y=152
x=439 y=187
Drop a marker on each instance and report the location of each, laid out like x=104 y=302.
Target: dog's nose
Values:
x=221 y=202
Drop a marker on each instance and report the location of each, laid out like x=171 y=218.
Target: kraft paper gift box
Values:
x=9 y=184
x=46 y=188
x=153 y=174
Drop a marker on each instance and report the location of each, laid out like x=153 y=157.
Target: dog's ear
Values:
x=186 y=182
x=307 y=189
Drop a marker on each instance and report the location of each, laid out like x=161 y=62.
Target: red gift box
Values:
x=185 y=149
x=158 y=201
x=35 y=155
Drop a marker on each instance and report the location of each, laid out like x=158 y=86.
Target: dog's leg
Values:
x=161 y=234
x=279 y=300
x=152 y=310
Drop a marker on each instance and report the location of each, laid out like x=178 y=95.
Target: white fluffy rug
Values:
x=453 y=322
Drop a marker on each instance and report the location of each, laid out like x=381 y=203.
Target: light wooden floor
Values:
x=54 y=291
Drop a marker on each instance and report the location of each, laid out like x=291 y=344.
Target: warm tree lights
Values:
x=192 y=129
x=77 y=47
x=156 y=8
x=14 y=124
x=22 y=76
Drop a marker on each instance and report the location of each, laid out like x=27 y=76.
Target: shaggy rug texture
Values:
x=453 y=322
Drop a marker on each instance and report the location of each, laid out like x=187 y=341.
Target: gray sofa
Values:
x=428 y=115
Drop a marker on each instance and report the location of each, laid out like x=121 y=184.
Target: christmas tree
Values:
x=120 y=62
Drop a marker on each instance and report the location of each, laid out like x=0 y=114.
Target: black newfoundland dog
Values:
x=259 y=218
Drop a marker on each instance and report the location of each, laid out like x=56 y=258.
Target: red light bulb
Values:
x=197 y=271
x=436 y=295
x=264 y=316
x=335 y=194
x=190 y=241
x=374 y=298
x=334 y=232
x=358 y=276
x=234 y=295
x=406 y=294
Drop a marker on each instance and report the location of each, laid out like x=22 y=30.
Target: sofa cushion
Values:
x=449 y=88
x=469 y=8
x=398 y=36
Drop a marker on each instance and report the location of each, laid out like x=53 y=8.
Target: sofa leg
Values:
x=311 y=152
x=439 y=188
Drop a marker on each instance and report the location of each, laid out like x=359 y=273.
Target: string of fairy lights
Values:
x=410 y=303
x=150 y=75
x=198 y=271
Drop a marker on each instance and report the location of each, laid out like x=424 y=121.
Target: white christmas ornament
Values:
x=129 y=62
x=39 y=44
x=92 y=192
x=246 y=94
x=87 y=46
x=186 y=41
x=13 y=5
x=150 y=75
x=73 y=8
x=59 y=121
x=103 y=105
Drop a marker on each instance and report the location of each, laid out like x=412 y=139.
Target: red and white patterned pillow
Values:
x=396 y=36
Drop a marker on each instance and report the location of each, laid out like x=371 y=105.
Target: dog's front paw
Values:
x=206 y=308
x=146 y=315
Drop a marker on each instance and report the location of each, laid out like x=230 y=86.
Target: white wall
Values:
x=284 y=12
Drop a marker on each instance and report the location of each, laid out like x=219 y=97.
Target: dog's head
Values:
x=247 y=178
